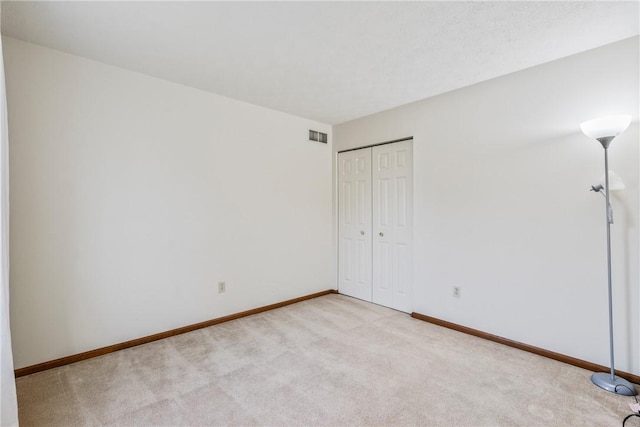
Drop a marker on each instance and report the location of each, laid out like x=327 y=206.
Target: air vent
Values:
x=314 y=135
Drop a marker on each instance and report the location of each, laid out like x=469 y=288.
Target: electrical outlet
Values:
x=222 y=286
x=456 y=291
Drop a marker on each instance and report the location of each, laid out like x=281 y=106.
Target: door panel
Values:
x=392 y=225
x=354 y=224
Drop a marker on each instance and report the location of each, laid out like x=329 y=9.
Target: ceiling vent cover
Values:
x=314 y=135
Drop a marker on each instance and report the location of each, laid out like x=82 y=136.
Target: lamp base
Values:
x=617 y=385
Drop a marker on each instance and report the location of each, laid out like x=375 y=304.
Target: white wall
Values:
x=502 y=206
x=8 y=398
x=131 y=197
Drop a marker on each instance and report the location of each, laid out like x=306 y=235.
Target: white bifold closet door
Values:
x=354 y=207
x=376 y=224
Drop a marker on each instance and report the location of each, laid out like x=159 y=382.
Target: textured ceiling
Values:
x=328 y=61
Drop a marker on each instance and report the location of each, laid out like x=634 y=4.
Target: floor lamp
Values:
x=605 y=129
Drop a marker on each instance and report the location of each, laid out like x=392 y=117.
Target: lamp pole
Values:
x=609 y=216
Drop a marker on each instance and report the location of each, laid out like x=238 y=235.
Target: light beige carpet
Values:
x=332 y=361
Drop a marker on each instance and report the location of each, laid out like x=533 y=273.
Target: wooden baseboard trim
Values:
x=139 y=341
x=526 y=347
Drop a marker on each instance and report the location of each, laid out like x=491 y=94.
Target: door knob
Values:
x=381 y=234
x=362 y=233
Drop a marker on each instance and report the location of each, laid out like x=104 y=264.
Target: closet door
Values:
x=393 y=225
x=354 y=222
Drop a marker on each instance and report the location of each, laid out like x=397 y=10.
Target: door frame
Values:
x=408 y=138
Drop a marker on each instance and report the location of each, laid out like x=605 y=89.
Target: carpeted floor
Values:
x=332 y=361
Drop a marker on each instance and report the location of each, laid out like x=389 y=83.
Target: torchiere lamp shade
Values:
x=605 y=127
